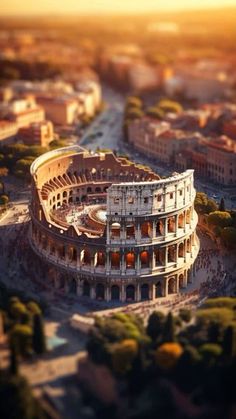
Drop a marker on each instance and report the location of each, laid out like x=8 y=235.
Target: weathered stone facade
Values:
x=145 y=249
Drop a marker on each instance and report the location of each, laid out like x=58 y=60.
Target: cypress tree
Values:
x=169 y=329
x=38 y=341
x=155 y=325
x=222 y=205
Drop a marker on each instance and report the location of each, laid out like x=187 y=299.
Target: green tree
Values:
x=4 y=200
x=38 y=339
x=155 y=325
x=134 y=102
x=170 y=106
x=228 y=236
x=185 y=314
x=169 y=329
x=21 y=337
x=134 y=113
x=222 y=205
x=155 y=112
x=220 y=219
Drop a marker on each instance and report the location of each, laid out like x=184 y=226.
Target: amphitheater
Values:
x=109 y=229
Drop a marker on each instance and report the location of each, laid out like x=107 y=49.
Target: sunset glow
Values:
x=15 y=7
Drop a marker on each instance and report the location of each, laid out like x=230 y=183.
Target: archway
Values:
x=181 y=250
x=86 y=289
x=181 y=281
x=144 y=292
x=130 y=260
x=181 y=221
x=73 y=286
x=100 y=292
x=115 y=292
x=130 y=231
x=115 y=260
x=158 y=290
x=101 y=259
x=130 y=293
x=115 y=230
x=171 y=285
x=85 y=257
x=146 y=230
x=144 y=259
x=171 y=225
x=159 y=228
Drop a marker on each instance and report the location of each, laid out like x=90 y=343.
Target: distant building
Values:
x=8 y=131
x=143 y=77
x=59 y=110
x=40 y=133
x=221 y=159
x=229 y=129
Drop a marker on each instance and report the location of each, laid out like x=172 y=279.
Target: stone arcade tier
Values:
x=148 y=244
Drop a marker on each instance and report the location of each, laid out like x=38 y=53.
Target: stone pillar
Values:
x=176 y=224
x=138 y=232
x=123 y=267
x=138 y=266
x=164 y=198
x=138 y=293
x=79 y=289
x=108 y=263
x=122 y=293
x=107 y=293
x=153 y=260
x=150 y=292
x=166 y=255
x=185 y=218
x=92 y=292
x=154 y=224
x=165 y=227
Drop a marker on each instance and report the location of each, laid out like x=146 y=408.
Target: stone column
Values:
x=107 y=293
x=138 y=293
x=79 y=289
x=166 y=255
x=176 y=224
x=154 y=224
x=122 y=293
x=138 y=267
x=92 y=292
x=165 y=227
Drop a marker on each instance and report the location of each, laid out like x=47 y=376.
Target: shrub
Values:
x=185 y=314
x=123 y=355
x=168 y=354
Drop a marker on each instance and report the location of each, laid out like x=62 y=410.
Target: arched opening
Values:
x=100 y=292
x=64 y=194
x=101 y=259
x=130 y=260
x=86 y=289
x=188 y=216
x=144 y=292
x=159 y=228
x=130 y=293
x=58 y=196
x=146 y=229
x=144 y=259
x=171 y=286
x=83 y=198
x=181 y=221
x=73 y=286
x=85 y=257
x=70 y=200
x=188 y=276
x=98 y=189
x=158 y=290
x=89 y=190
x=115 y=230
x=181 y=250
x=157 y=257
x=130 y=231
x=171 y=225
x=115 y=292
x=171 y=254
x=115 y=260
x=181 y=281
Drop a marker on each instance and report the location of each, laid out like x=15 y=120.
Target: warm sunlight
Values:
x=15 y=7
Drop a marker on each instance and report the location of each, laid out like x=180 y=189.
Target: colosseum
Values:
x=110 y=229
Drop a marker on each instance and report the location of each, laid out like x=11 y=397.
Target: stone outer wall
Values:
x=149 y=244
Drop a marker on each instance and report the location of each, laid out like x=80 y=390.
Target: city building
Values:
x=60 y=110
x=221 y=161
x=109 y=229
x=8 y=132
x=158 y=140
x=38 y=133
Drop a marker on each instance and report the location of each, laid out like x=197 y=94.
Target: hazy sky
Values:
x=18 y=7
